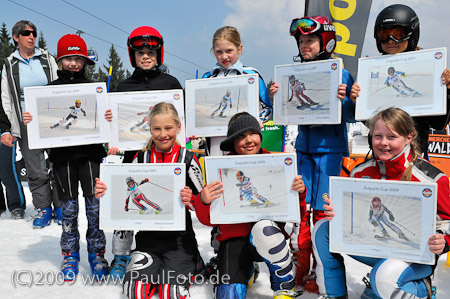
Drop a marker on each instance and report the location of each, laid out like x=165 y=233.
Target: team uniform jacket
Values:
x=11 y=111
x=238 y=69
x=227 y=231
x=194 y=180
x=316 y=139
x=422 y=171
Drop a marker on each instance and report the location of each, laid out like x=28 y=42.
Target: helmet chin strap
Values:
x=307 y=60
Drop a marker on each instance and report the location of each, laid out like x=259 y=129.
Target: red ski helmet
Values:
x=146 y=36
x=398 y=15
x=376 y=203
x=320 y=25
x=72 y=45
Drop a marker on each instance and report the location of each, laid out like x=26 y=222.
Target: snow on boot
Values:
x=57 y=215
x=119 y=266
x=69 y=266
x=99 y=266
x=43 y=218
x=284 y=294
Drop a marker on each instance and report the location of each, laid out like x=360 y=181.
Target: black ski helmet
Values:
x=291 y=78
x=402 y=16
x=130 y=180
x=391 y=69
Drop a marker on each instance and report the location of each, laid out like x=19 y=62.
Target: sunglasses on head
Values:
x=397 y=34
x=139 y=42
x=306 y=26
x=28 y=32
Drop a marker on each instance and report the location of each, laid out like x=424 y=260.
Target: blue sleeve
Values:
x=387 y=80
x=263 y=93
x=348 y=107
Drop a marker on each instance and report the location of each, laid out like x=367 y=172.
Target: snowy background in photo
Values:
x=364 y=232
x=133 y=121
x=51 y=110
x=314 y=89
x=159 y=190
x=269 y=182
x=38 y=253
x=418 y=76
x=208 y=100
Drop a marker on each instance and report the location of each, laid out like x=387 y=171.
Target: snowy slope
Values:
x=31 y=258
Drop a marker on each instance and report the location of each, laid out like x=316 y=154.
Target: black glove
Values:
x=391 y=217
x=84 y=113
x=126 y=209
x=231 y=106
x=387 y=83
x=374 y=223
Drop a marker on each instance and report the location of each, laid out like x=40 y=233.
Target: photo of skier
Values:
x=143 y=124
x=248 y=192
x=395 y=81
x=380 y=214
x=381 y=220
x=223 y=102
x=297 y=87
x=136 y=195
x=72 y=118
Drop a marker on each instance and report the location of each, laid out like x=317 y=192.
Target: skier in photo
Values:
x=397 y=83
x=248 y=192
x=71 y=119
x=380 y=214
x=144 y=122
x=297 y=89
x=136 y=196
x=224 y=102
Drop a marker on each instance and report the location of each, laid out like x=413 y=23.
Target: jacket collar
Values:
x=394 y=168
x=237 y=67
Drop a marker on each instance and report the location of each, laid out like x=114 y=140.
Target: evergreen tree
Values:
x=6 y=47
x=41 y=41
x=118 y=72
x=90 y=72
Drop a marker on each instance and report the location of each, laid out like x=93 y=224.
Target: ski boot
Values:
x=402 y=94
x=158 y=211
x=17 y=213
x=212 y=114
x=385 y=234
x=57 y=216
x=417 y=94
x=311 y=284
x=143 y=210
x=54 y=126
x=132 y=129
x=313 y=104
x=99 y=266
x=119 y=266
x=69 y=266
x=284 y=294
x=221 y=114
x=43 y=218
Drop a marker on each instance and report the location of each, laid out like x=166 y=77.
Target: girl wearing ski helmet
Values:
x=397 y=30
x=76 y=165
x=172 y=256
x=319 y=149
x=227 y=47
x=242 y=244
x=146 y=52
x=396 y=157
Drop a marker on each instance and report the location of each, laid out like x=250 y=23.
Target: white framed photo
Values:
x=410 y=81
x=210 y=103
x=255 y=187
x=308 y=92
x=383 y=219
x=142 y=196
x=129 y=127
x=67 y=115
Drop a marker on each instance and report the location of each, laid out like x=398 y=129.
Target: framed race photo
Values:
x=410 y=81
x=210 y=103
x=67 y=115
x=383 y=219
x=142 y=196
x=255 y=187
x=129 y=127
x=307 y=93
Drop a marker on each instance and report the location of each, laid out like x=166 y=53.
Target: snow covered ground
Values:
x=31 y=258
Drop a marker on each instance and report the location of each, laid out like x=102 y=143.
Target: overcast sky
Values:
x=188 y=26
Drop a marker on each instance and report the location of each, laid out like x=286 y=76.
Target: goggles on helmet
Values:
x=306 y=26
x=139 y=42
x=397 y=34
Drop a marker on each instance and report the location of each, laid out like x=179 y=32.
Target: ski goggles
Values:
x=139 y=42
x=397 y=34
x=28 y=32
x=305 y=25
